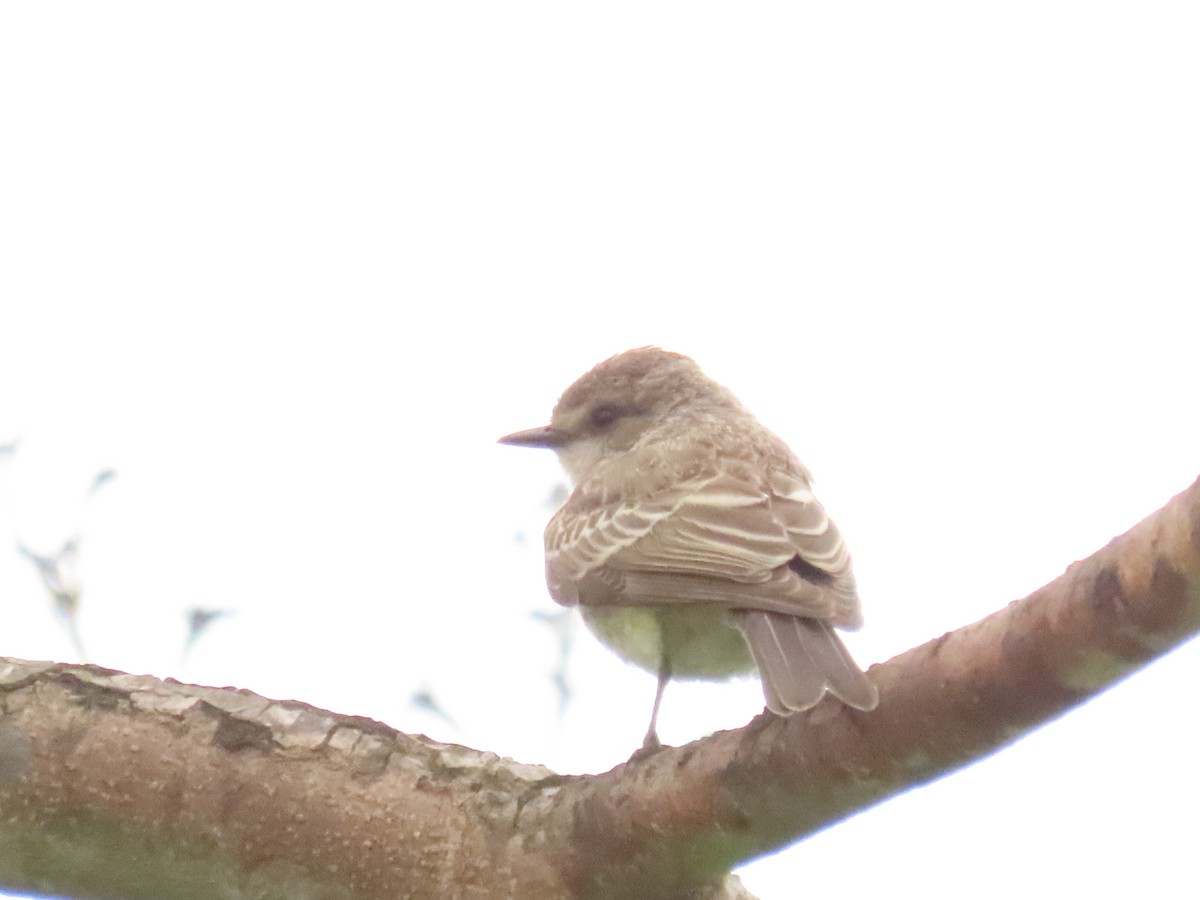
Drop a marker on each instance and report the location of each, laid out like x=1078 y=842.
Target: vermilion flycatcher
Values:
x=692 y=542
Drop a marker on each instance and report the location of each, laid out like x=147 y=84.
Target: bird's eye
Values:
x=603 y=416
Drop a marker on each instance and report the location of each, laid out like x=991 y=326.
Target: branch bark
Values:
x=114 y=785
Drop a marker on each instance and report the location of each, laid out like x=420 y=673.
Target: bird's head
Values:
x=607 y=411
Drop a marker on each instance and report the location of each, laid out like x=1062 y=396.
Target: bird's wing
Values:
x=722 y=539
x=586 y=532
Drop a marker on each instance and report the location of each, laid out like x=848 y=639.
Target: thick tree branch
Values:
x=943 y=705
x=120 y=786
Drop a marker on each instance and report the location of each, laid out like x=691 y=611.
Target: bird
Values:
x=692 y=542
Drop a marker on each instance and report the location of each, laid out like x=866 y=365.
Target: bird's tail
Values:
x=800 y=659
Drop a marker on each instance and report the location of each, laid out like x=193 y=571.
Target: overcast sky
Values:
x=291 y=269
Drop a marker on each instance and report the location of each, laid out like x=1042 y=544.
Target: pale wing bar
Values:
x=667 y=550
x=578 y=543
x=725 y=527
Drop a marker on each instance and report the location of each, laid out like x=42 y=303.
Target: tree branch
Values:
x=120 y=786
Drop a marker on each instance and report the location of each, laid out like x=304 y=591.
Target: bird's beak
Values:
x=537 y=437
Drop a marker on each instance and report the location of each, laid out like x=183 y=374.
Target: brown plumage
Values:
x=692 y=542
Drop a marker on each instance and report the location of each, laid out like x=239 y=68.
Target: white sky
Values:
x=292 y=268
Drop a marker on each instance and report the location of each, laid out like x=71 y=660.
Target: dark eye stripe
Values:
x=603 y=416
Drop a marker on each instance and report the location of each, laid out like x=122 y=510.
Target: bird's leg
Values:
x=651 y=741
